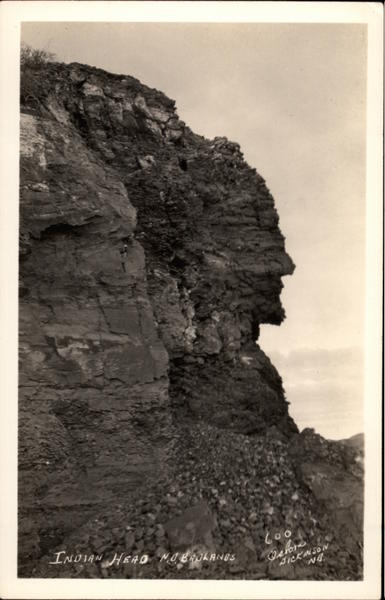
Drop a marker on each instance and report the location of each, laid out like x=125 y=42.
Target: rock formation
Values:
x=149 y=257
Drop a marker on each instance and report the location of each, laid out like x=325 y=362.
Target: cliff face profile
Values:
x=149 y=257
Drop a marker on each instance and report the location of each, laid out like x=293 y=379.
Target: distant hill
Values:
x=356 y=441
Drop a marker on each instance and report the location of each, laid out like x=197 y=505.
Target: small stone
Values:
x=249 y=544
x=160 y=552
x=160 y=531
x=129 y=540
x=253 y=517
x=139 y=533
x=140 y=545
x=236 y=569
x=295 y=496
x=226 y=524
x=172 y=501
x=149 y=532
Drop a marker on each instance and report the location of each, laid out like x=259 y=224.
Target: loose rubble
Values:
x=255 y=519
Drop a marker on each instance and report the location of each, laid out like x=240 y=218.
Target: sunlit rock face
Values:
x=117 y=350
x=214 y=253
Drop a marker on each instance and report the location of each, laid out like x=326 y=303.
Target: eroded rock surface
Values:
x=120 y=357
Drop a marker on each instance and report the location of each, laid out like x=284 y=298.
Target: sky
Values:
x=294 y=97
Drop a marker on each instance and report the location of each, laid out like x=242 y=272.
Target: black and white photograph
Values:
x=198 y=382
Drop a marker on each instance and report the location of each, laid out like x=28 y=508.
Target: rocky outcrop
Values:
x=149 y=257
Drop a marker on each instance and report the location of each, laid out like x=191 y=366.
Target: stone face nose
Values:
x=288 y=266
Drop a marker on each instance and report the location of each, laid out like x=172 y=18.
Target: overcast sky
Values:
x=294 y=97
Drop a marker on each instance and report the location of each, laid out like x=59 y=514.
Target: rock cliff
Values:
x=149 y=257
